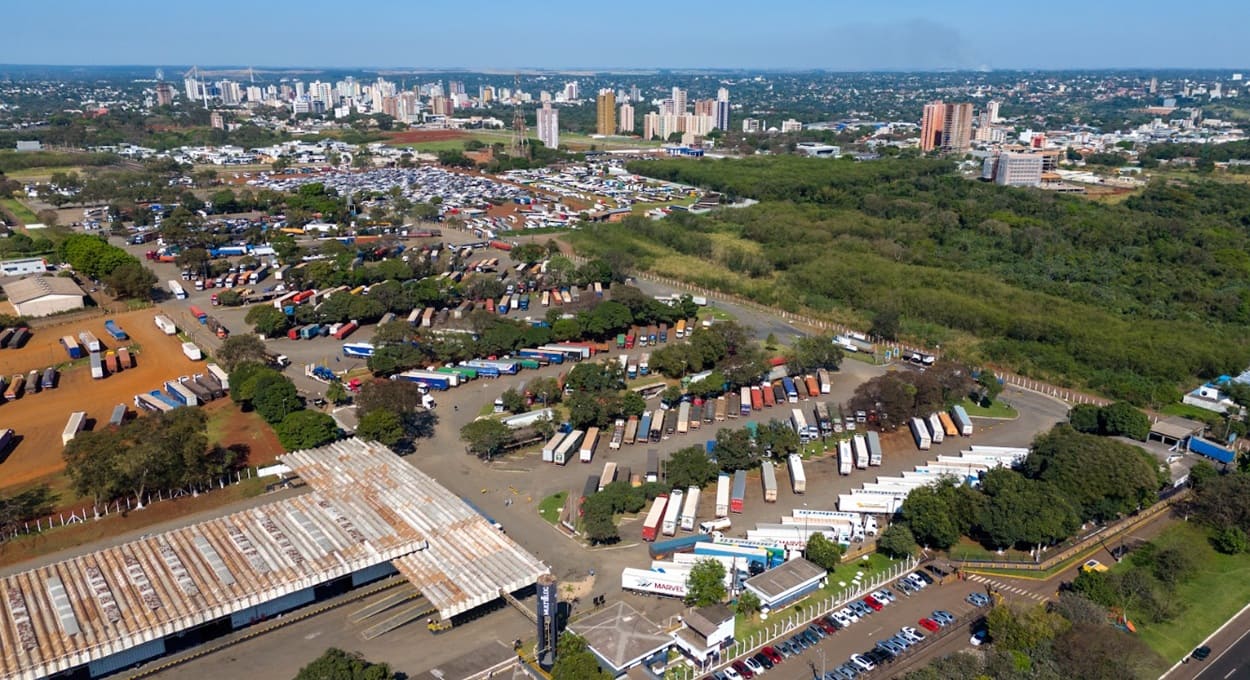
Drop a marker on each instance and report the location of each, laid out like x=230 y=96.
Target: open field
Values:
x=38 y=419
x=19 y=210
x=996 y=409
x=229 y=426
x=574 y=142
x=419 y=137
x=1220 y=588
x=42 y=173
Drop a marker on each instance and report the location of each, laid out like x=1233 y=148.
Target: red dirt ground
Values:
x=39 y=419
x=418 y=136
x=230 y=426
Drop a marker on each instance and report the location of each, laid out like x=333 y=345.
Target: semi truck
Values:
x=586 y=451
x=672 y=514
x=769 y=478
x=631 y=430
x=429 y=379
x=860 y=446
x=49 y=378
x=178 y=291
x=77 y=420
x=683 y=418
x=791 y=392
x=608 y=476
x=115 y=331
x=936 y=431
x=97 y=366
x=653 y=465
x=199 y=314
x=220 y=374
x=651 y=526
x=690 y=509
x=653 y=582
x=962 y=421
x=738 y=495
x=549 y=449
x=71 y=347
x=845 y=461
x=874 y=448
x=722 y=407
x=722 y=495
x=564 y=452
x=90 y=341
x=798 y=479
x=825 y=384
x=192 y=351
x=920 y=432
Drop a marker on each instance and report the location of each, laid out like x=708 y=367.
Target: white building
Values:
x=1016 y=169
x=23 y=266
x=44 y=295
x=722 y=109
x=625 y=121
x=791 y=125
x=549 y=126
x=752 y=125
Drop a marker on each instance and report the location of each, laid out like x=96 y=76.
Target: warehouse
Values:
x=784 y=584
x=105 y=611
x=43 y=295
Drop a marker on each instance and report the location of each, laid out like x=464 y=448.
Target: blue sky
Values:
x=831 y=34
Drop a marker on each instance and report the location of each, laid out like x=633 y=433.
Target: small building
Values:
x=818 y=150
x=1211 y=396
x=782 y=585
x=705 y=632
x=44 y=295
x=23 y=266
x=29 y=145
x=622 y=638
x=1175 y=430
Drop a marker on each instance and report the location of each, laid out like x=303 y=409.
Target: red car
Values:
x=743 y=670
x=872 y=602
x=825 y=626
x=929 y=625
x=773 y=654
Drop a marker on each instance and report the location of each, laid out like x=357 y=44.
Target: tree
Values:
x=1122 y=418
x=823 y=552
x=705 y=585
x=1084 y=418
x=336 y=664
x=897 y=541
x=1230 y=541
x=513 y=401
x=748 y=603
x=813 y=352
x=381 y=425
x=585 y=410
x=690 y=467
x=1103 y=477
x=305 y=429
x=928 y=513
x=486 y=437
x=990 y=387
x=735 y=450
x=336 y=394
x=241 y=348
x=574 y=661
x=130 y=279
x=885 y=324
x=1094 y=651
x=274 y=397
x=267 y=321
x=1025 y=630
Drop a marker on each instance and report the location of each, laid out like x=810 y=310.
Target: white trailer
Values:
x=690 y=509
x=192 y=351
x=220 y=374
x=936 y=430
x=798 y=479
x=874 y=448
x=77 y=420
x=860 y=446
x=565 y=451
x=176 y=288
x=878 y=504
x=165 y=324
x=722 y=495
x=920 y=433
x=672 y=514
x=683 y=418
x=587 y=450
x=845 y=461
x=653 y=582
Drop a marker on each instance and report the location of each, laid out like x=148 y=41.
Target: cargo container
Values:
x=798 y=480
x=683 y=418
x=860 y=446
x=962 y=421
x=768 y=478
x=846 y=461
x=15 y=388
x=823 y=422
x=608 y=476
x=779 y=393
x=49 y=378
x=937 y=433
x=199 y=314
x=586 y=451
x=672 y=513
x=209 y=383
x=684 y=544
x=680 y=330
x=690 y=509
x=651 y=526
x=503 y=367
x=656 y=431
x=71 y=347
x=77 y=420
x=32 y=381
x=766 y=394
x=97 y=366
x=346 y=330
x=721 y=407
x=112 y=363
x=90 y=341
x=813 y=385
x=653 y=465
x=202 y=394
x=567 y=449
x=430 y=379
x=631 y=430
x=149 y=403
x=549 y=449
x=722 y=495
x=219 y=374
x=20 y=336
x=800 y=386
x=738 y=494
x=825 y=385
x=874 y=448
x=920 y=432
x=948 y=424
x=167 y=327
x=733 y=407
x=789 y=390
x=119 y=415
x=357 y=349
x=670 y=423
x=115 y=331
x=192 y=351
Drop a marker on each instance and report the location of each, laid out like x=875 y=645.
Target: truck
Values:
x=670 y=423
x=644 y=364
x=757 y=399
x=721 y=407
x=779 y=393
x=768 y=477
x=860 y=445
x=631 y=370
x=77 y=420
x=744 y=401
x=656 y=433
x=733 y=405
x=549 y=449
x=680 y=330
x=90 y=341
x=115 y=331
x=176 y=288
x=15 y=388
x=738 y=494
x=192 y=351
x=653 y=582
x=722 y=495
x=683 y=418
x=608 y=476
x=220 y=374
x=651 y=526
x=805 y=431
x=936 y=432
x=675 y=546
x=97 y=366
x=49 y=378
x=631 y=430
x=874 y=448
x=825 y=384
x=149 y=403
x=653 y=465
x=199 y=314
x=587 y=449
x=209 y=383
x=71 y=347
x=791 y=392
x=357 y=349
x=690 y=509
x=653 y=335
x=845 y=461
x=672 y=514
x=165 y=324
x=564 y=452
x=813 y=386
x=429 y=379
x=312 y=330
x=644 y=427
x=798 y=480
x=663 y=332
x=118 y=416
x=920 y=432
x=620 y=341
x=346 y=330
x=181 y=393
x=202 y=393
x=948 y=424
x=258 y=274
x=962 y=421
x=823 y=423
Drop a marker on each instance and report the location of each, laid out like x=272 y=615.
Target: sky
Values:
x=495 y=34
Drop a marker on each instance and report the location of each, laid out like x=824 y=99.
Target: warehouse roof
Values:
x=1174 y=427
x=368 y=507
x=35 y=287
x=620 y=635
x=789 y=575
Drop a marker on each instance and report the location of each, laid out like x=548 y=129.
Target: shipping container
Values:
x=566 y=450
x=722 y=495
x=874 y=448
x=683 y=418
x=860 y=446
x=738 y=495
x=825 y=384
x=936 y=432
x=71 y=347
x=798 y=480
x=631 y=430
x=920 y=432
x=191 y=351
x=690 y=509
x=97 y=366
x=721 y=406
x=119 y=415
x=846 y=459
x=90 y=341
x=653 y=465
x=77 y=420
x=672 y=514
x=549 y=449
x=962 y=421
x=768 y=477
x=651 y=526
x=948 y=424
x=608 y=476
x=586 y=451
x=163 y=322
x=49 y=378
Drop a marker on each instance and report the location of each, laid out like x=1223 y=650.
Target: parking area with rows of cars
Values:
x=868 y=635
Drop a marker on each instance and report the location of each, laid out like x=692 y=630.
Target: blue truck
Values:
x=434 y=381
x=540 y=355
x=683 y=544
x=115 y=330
x=161 y=396
x=791 y=393
x=310 y=331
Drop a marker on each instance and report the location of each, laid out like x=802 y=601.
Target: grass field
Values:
x=20 y=211
x=1187 y=411
x=29 y=174
x=436 y=146
x=1218 y=591
x=997 y=409
x=549 y=508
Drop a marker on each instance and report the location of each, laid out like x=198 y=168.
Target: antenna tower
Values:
x=520 y=141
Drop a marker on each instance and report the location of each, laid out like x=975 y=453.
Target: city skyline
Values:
x=903 y=36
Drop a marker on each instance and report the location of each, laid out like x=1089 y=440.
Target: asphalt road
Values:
x=1230 y=654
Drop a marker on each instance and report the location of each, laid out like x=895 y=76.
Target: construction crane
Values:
x=520 y=141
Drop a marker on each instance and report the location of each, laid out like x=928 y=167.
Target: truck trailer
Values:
x=690 y=509
x=768 y=476
x=722 y=495
x=920 y=432
x=798 y=479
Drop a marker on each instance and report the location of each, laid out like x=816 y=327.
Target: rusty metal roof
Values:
x=368 y=507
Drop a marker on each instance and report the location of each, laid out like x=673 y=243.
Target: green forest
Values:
x=1135 y=299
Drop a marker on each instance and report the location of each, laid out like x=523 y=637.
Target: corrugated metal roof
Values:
x=368 y=506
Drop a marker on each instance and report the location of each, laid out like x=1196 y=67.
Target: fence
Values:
x=64 y=518
x=801 y=615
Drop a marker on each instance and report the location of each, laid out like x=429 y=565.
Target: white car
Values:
x=842 y=618
x=911 y=634
x=849 y=614
x=731 y=673
x=915 y=581
x=884 y=596
x=862 y=662
x=754 y=665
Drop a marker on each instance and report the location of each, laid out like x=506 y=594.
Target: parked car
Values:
x=930 y=625
x=884 y=596
x=860 y=608
x=943 y=617
x=979 y=637
x=849 y=614
x=811 y=637
x=825 y=626
x=862 y=662
x=732 y=673
x=1201 y=653
x=773 y=654
x=911 y=634
x=762 y=659
x=873 y=603
x=841 y=617
x=978 y=599
x=928 y=580
x=743 y=670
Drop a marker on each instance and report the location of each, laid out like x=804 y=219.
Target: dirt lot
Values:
x=229 y=426
x=38 y=419
x=418 y=136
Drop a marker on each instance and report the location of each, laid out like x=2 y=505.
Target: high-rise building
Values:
x=606 y=112
x=626 y=123
x=791 y=125
x=1016 y=169
x=722 y=109
x=549 y=126
x=164 y=94
x=991 y=109
x=1154 y=86
x=193 y=88
x=750 y=125
x=487 y=93
x=216 y=121
x=705 y=107
x=679 y=100
x=636 y=95
x=572 y=92
x=947 y=127
x=651 y=125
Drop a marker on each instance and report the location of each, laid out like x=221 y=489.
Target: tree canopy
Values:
x=336 y=664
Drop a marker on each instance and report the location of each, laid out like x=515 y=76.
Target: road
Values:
x=1230 y=654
